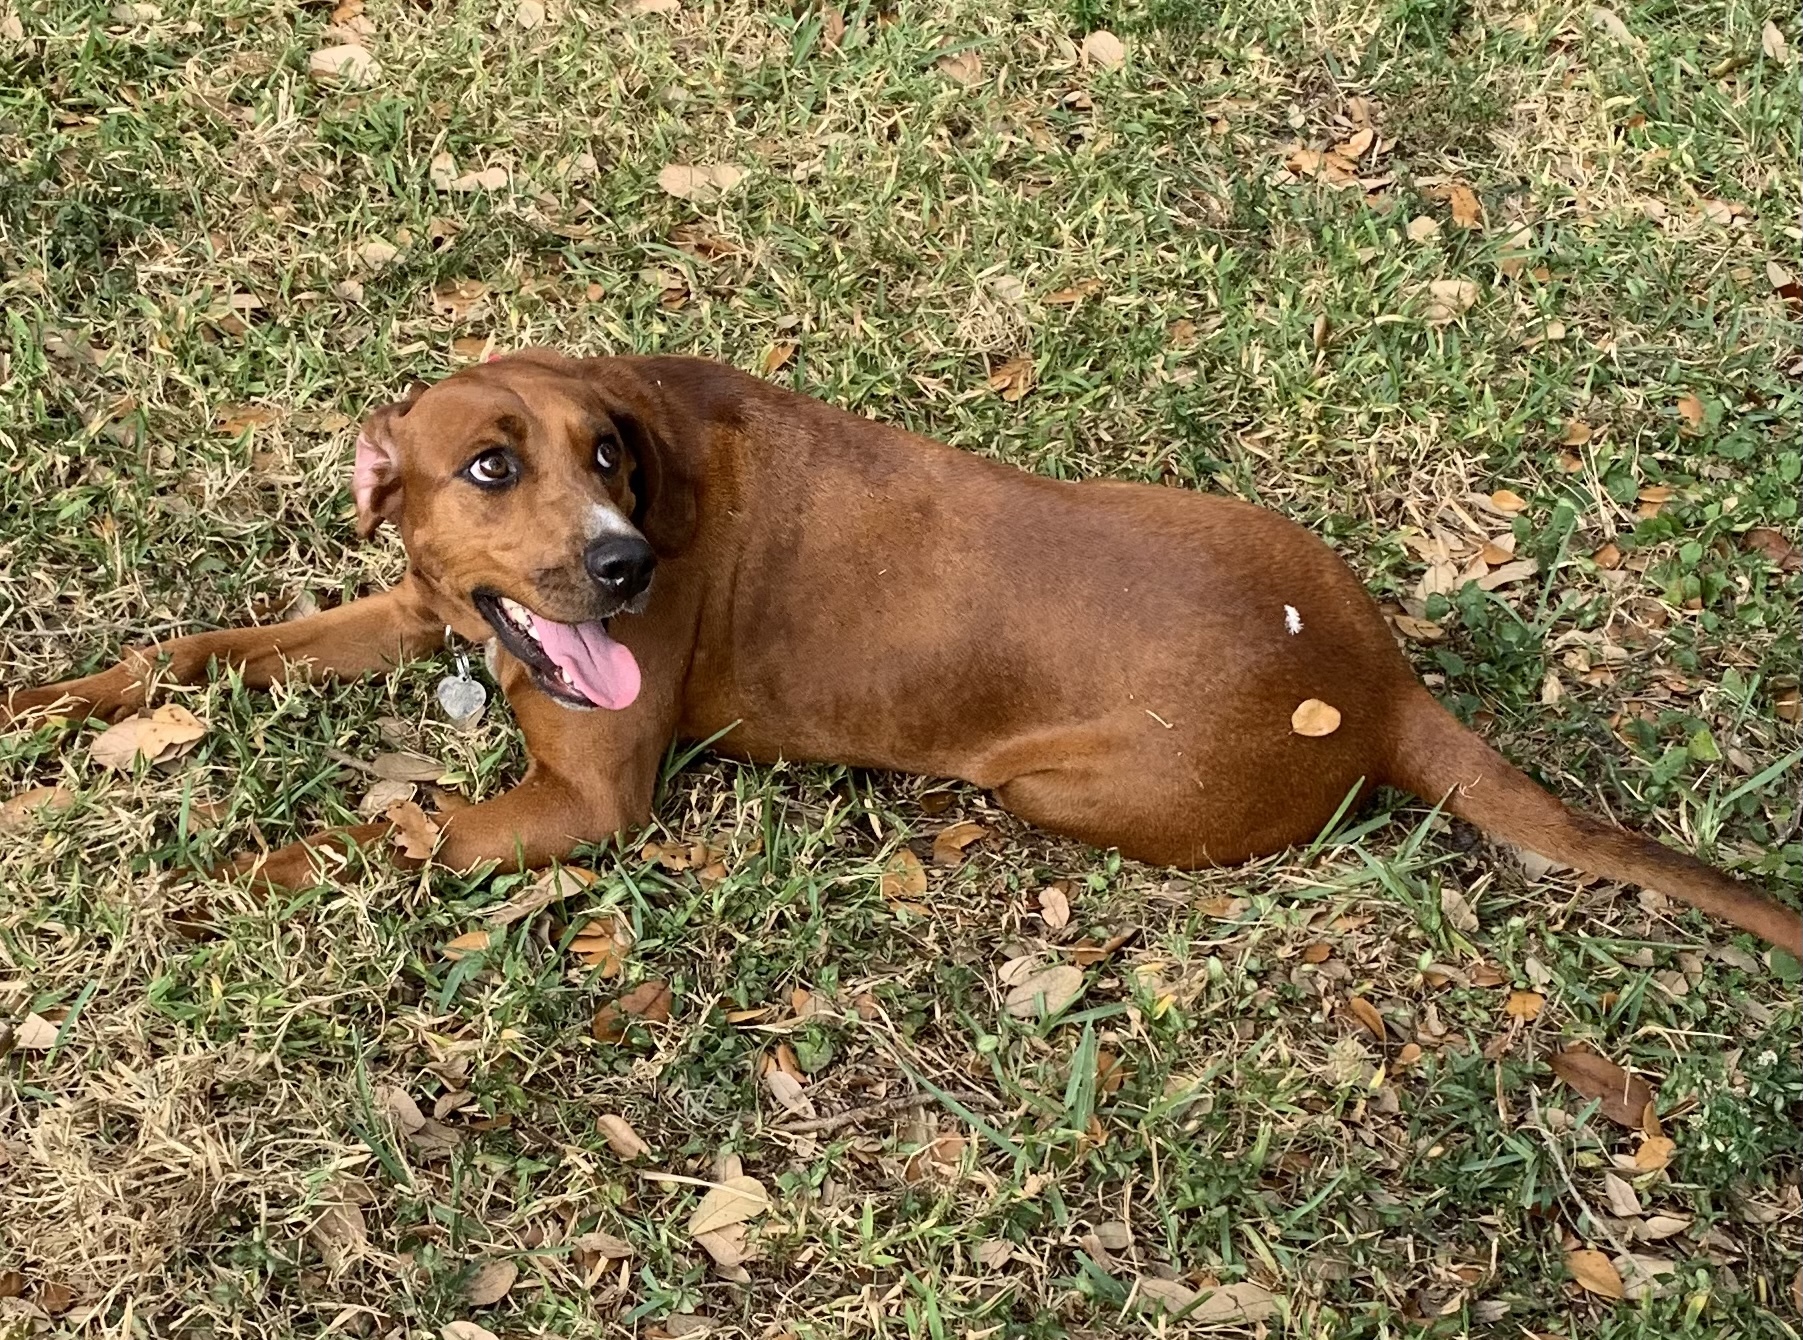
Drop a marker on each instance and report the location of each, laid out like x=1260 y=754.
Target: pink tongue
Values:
x=599 y=667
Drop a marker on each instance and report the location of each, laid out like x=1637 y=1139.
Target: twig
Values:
x=339 y=756
x=820 y=1125
x=1552 y=1146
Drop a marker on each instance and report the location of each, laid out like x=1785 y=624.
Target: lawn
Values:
x=1499 y=297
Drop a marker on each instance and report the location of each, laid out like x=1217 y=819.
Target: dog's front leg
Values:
x=375 y=633
x=591 y=777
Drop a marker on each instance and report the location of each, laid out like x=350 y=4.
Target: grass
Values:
x=192 y=323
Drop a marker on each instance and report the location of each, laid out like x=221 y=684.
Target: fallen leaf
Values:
x=406 y=768
x=399 y=1104
x=1366 y=1014
x=35 y=1034
x=1104 y=48
x=465 y=1330
x=347 y=63
x=778 y=357
x=1759 y=540
x=1771 y=41
x=551 y=887
x=340 y=1233
x=1318 y=952
x=1576 y=433
x=17 y=812
x=1358 y=144
x=1183 y=333
x=1595 y=1272
x=832 y=27
x=1659 y=1227
x=649 y=1001
x=644 y=7
x=528 y=14
x=1418 y=630
x=1076 y=293
x=1422 y=228
x=442 y=170
x=788 y=1091
x=1608 y=557
x=1508 y=502
x=1611 y=22
x=1466 y=211
x=1519 y=570
x=949 y=844
x=621 y=1138
x=994 y=1253
x=1054 y=907
x=1457 y=911
x=1448 y=299
x=601 y=1247
x=1623 y=1097
x=1692 y=414
x=491 y=1283
x=735 y=1201
x=961 y=67
x=1045 y=993
x=904 y=877
x=699 y=182
x=727 y=1246
x=1314 y=718
x=414 y=832
x=493 y=178
x=1524 y=1005
x=1243 y=1301
x=167 y=733
x=470 y=942
x=457 y=299
x=1013 y=379
x=1622 y=1200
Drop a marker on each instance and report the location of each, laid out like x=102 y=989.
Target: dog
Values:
x=665 y=548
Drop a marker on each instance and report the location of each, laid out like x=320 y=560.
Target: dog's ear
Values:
x=664 y=505
x=376 y=476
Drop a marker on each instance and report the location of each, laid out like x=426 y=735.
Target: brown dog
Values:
x=1117 y=662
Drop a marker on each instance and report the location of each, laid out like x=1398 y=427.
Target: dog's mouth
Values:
x=576 y=663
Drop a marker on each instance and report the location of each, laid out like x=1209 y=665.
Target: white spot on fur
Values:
x=1292 y=620
x=605 y=521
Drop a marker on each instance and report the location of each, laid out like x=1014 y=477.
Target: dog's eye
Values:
x=607 y=454
x=491 y=467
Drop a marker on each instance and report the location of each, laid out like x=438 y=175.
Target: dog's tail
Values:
x=1441 y=761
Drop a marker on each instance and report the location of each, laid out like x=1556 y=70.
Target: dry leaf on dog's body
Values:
x=904 y=877
x=949 y=844
x=1314 y=718
x=491 y=1283
x=414 y=832
x=165 y=734
x=1595 y=1272
x=735 y=1201
x=16 y=812
x=1624 y=1098
x=1105 y=49
x=1046 y=992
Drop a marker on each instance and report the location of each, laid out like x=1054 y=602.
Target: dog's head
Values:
x=539 y=492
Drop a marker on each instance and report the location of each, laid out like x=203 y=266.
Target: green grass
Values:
x=219 y=1079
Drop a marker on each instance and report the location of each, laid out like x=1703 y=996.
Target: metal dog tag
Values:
x=461 y=696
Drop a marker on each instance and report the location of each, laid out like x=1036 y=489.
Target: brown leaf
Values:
x=1448 y=299
x=1519 y=570
x=414 y=833
x=492 y=178
x=604 y=945
x=551 y=887
x=1466 y=211
x=1691 y=414
x=1759 y=540
x=961 y=67
x=1608 y=557
x=456 y=299
x=904 y=877
x=727 y=1246
x=35 y=803
x=1243 y=1302
x=406 y=768
x=1054 y=907
x=465 y=1330
x=348 y=64
x=1318 y=952
x=1524 y=1005
x=1315 y=718
x=1508 y=502
x=1045 y=993
x=1418 y=630
x=621 y=1138
x=400 y=1105
x=1457 y=911
x=735 y=1201
x=1655 y=1152
x=167 y=733
x=949 y=844
x=35 y=1034
x=1595 y=1272
x=1366 y=1014
x=1358 y=144
x=491 y=1283
x=832 y=27
x=1771 y=41
x=529 y=14
x=1012 y=379
x=649 y=1001
x=699 y=182
x=1623 y=1097
x=778 y=357
x=470 y=942
x=788 y=1091
x=1076 y=293
x=1105 y=49
x=1422 y=228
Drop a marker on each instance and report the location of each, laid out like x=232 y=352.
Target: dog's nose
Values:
x=620 y=564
